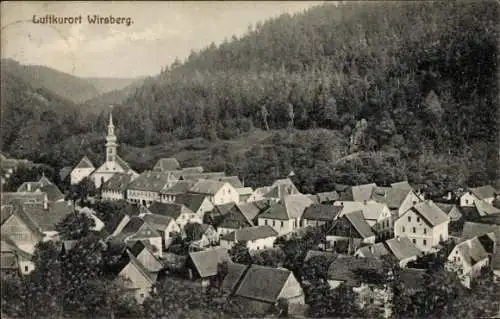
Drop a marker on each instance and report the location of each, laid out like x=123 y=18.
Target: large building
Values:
x=113 y=164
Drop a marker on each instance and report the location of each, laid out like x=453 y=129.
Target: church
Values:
x=113 y=164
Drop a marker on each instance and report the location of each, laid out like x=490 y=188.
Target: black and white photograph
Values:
x=250 y=159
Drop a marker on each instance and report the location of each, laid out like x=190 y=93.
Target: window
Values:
x=418 y=219
x=142 y=295
x=403 y=229
x=281 y=223
x=265 y=221
x=466 y=201
x=409 y=219
x=414 y=230
x=414 y=240
x=274 y=223
x=425 y=230
x=425 y=242
x=26 y=268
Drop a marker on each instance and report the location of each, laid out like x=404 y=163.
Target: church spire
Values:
x=111 y=141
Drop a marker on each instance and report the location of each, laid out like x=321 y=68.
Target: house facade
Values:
x=425 y=224
x=218 y=192
x=255 y=238
x=146 y=188
x=83 y=169
x=116 y=187
x=473 y=194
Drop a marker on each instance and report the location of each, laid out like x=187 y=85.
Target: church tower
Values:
x=111 y=141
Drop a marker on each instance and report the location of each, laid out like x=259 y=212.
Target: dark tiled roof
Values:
x=179 y=187
x=471 y=230
x=118 y=182
x=234 y=274
x=53 y=192
x=159 y=222
x=486 y=209
x=206 y=186
x=344 y=268
x=191 y=201
x=358 y=222
x=321 y=212
x=250 y=210
x=374 y=251
x=22 y=197
x=276 y=211
x=151 y=181
x=263 y=283
x=206 y=261
x=46 y=220
x=402 y=248
x=167 y=164
x=233 y=180
x=173 y=210
x=251 y=233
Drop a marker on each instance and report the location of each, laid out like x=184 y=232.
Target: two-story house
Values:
x=473 y=194
x=350 y=228
x=470 y=256
x=319 y=214
x=146 y=188
x=165 y=225
x=115 y=188
x=180 y=213
x=285 y=215
x=255 y=238
x=377 y=215
x=425 y=224
x=218 y=192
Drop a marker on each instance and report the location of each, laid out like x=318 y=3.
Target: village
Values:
x=189 y=224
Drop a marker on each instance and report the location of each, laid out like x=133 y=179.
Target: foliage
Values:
x=81 y=191
x=194 y=231
x=239 y=254
x=326 y=302
x=75 y=226
x=316 y=268
x=29 y=173
x=269 y=257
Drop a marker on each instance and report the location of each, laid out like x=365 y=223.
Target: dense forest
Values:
x=419 y=78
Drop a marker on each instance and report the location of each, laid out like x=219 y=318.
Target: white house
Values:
x=180 y=213
x=218 y=192
x=255 y=238
x=425 y=224
x=146 y=188
x=486 y=193
x=83 y=169
x=165 y=225
x=285 y=216
x=470 y=256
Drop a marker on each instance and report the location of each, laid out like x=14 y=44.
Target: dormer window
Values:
x=409 y=219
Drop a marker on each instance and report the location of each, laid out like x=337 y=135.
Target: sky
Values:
x=160 y=32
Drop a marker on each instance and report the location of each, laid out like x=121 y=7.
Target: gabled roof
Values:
x=118 y=182
x=130 y=258
x=486 y=209
x=46 y=220
x=275 y=211
x=321 y=212
x=361 y=193
x=250 y=210
x=472 y=251
x=250 y=234
x=154 y=264
x=345 y=268
x=159 y=222
x=167 y=164
x=232 y=180
x=151 y=181
x=431 y=213
x=263 y=283
x=132 y=226
x=8 y=244
x=85 y=163
x=206 y=186
x=23 y=197
x=126 y=167
x=358 y=222
x=5 y=212
x=471 y=230
x=402 y=248
x=483 y=192
x=371 y=210
x=373 y=251
x=234 y=274
x=191 y=201
x=296 y=204
x=206 y=261
x=180 y=187
x=52 y=191
x=17 y=209
x=173 y=210
x=396 y=196
x=446 y=208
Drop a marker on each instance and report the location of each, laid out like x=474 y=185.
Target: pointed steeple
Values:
x=111 y=141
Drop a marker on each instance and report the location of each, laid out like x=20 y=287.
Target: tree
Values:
x=316 y=268
x=75 y=226
x=239 y=254
x=326 y=302
x=194 y=231
x=82 y=190
x=264 y=113
x=290 y=115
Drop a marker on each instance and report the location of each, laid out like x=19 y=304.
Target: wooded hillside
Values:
x=423 y=75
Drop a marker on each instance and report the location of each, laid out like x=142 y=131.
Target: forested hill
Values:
x=422 y=75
